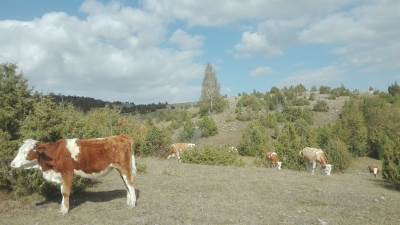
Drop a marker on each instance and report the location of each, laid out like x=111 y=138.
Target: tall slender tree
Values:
x=210 y=92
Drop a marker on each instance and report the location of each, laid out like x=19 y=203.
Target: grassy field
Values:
x=175 y=193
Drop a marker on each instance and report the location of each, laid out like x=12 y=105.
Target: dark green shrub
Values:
x=269 y=121
x=207 y=126
x=321 y=106
x=212 y=156
x=351 y=128
x=292 y=114
x=255 y=140
x=324 y=90
x=338 y=155
x=188 y=131
x=300 y=102
x=312 y=97
x=156 y=143
x=391 y=160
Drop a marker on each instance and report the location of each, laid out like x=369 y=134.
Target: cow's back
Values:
x=98 y=153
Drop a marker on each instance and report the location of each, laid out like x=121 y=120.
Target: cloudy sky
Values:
x=156 y=50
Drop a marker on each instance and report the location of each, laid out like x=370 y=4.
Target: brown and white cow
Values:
x=374 y=169
x=312 y=156
x=178 y=148
x=274 y=159
x=89 y=158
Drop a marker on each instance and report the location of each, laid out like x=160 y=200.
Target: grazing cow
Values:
x=374 y=169
x=178 y=148
x=313 y=156
x=88 y=158
x=274 y=159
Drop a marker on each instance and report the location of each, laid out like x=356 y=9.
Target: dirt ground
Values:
x=174 y=193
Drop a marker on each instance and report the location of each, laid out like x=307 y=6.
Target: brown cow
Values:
x=274 y=159
x=374 y=169
x=89 y=158
x=178 y=148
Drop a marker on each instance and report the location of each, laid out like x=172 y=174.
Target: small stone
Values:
x=322 y=222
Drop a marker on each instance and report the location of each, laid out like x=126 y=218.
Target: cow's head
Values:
x=24 y=158
x=328 y=169
x=279 y=165
x=191 y=145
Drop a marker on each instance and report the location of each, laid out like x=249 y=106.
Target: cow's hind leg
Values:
x=128 y=179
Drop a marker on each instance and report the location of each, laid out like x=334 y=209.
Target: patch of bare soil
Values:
x=175 y=193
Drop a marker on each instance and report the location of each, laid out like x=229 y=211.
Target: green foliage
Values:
x=15 y=100
x=188 y=131
x=250 y=101
x=156 y=143
x=336 y=150
x=255 y=140
x=321 y=106
x=269 y=121
x=211 y=99
x=340 y=91
x=324 y=90
x=352 y=129
x=292 y=138
x=207 y=126
x=394 y=89
x=292 y=114
x=391 y=160
x=312 y=97
x=274 y=99
x=212 y=156
x=300 y=102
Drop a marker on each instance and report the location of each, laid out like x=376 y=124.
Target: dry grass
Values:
x=174 y=193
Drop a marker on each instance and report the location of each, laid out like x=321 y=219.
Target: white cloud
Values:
x=222 y=12
x=329 y=75
x=112 y=53
x=255 y=44
x=260 y=71
x=186 y=41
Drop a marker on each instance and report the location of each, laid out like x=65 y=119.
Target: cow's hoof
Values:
x=64 y=210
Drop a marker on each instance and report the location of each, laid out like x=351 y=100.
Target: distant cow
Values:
x=88 y=158
x=312 y=156
x=178 y=148
x=274 y=159
x=374 y=169
x=232 y=149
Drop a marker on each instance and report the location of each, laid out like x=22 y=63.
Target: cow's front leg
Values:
x=65 y=191
x=314 y=165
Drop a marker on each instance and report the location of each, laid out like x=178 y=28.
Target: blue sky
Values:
x=156 y=50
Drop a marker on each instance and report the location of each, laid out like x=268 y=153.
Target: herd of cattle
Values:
x=91 y=158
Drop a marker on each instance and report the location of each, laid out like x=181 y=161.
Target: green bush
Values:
x=207 y=126
x=300 y=102
x=293 y=138
x=324 y=90
x=212 y=156
x=391 y=160
x=188 y=131
x=352 y=129
x=292 y=114
x=156 y=143
x=255 y=140
x=269 y=121
x=321 y=106
x=337 y=154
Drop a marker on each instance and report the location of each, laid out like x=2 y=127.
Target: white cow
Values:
x=312 y=156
